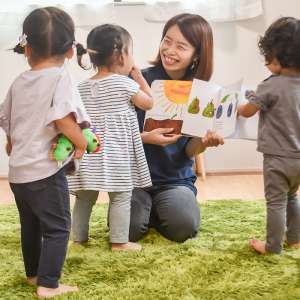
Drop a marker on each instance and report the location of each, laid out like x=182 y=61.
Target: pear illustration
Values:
x=209 y=110
x=194 y=107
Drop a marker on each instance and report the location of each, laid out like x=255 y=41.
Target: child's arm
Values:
x=247 y=110
x=72 y=131
x=8 y=147
x=142 y=99
x=262 y=99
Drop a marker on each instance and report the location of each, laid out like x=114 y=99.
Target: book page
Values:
x=226 y=110
x=170 y=101
x=199 y=113
x=246 y=128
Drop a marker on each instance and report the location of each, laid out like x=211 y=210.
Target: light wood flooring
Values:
x=215 y=187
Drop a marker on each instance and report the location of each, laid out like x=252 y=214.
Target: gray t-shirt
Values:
x=34 y=101
x=279 y=121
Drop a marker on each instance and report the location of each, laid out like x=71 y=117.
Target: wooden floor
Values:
x=215 y=187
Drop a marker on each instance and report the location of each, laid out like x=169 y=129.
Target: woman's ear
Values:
x=70 y=53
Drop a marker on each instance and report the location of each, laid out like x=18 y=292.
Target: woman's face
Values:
x=176 y=53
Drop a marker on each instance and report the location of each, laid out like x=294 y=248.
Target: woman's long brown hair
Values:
x=198 y=33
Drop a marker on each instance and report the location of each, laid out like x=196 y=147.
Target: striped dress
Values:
x=121 y=164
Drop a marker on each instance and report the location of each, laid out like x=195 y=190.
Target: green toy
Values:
x=64 y=147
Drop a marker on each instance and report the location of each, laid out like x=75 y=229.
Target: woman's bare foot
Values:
x=32 y=280
x=126 y=246
x=44 y=292
x=258 y=246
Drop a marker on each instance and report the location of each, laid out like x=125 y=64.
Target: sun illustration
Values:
x=174 y=96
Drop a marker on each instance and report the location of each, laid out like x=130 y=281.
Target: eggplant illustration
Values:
x=219 y=112
x=229 y=110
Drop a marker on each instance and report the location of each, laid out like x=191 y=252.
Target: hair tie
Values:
x=23 y=40
x=80 y=49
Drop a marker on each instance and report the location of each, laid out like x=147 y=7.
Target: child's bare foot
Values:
x=44 y=292
x=258 y=246
x=32 y=280
x=126 y=246
x=294 y=246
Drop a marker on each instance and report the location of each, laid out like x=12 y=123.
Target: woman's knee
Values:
x=184 y=228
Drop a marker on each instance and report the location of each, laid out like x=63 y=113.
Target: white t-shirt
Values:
x=34 y=101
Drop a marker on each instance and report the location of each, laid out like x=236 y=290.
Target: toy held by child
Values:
x=64 y=147
x=278 y=101
x=41 y=103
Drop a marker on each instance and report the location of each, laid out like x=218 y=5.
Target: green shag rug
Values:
x=217 y=265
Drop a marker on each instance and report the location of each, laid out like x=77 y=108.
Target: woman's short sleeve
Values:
x=66 y=100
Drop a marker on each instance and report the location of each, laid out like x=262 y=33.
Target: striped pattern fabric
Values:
x=121 y=164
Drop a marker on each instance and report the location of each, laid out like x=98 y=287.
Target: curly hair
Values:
x=282 y=41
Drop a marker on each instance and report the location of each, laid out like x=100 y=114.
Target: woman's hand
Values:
x=198 y=145
x=160 y=136
x=212 y=139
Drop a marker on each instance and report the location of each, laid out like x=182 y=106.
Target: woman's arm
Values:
x=198 y=145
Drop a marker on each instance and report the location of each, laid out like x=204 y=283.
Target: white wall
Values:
x=236 y=55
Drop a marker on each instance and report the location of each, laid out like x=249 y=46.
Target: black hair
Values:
x=104 y=44
x=282 y=41
x=49 y=32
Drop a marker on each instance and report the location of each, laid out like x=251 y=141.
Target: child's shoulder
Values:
x=271 y=78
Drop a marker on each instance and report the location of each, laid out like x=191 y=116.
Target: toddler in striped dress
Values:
x=110 y=98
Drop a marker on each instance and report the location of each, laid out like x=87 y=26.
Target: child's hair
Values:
x=282 y=41
x=198 y=33
x=49 y=31
x=105 y=43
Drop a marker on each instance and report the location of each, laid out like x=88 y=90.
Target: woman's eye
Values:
x=181 y=48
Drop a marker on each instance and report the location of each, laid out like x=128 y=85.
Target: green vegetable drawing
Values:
x=209 y=110
x=225 y=98
x=194 y=107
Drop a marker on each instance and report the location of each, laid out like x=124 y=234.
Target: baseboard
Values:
x=234 y=172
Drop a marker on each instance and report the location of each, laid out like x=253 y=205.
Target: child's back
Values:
x=35 y=100
x=121 y=162
x=41 y=103
x=279 y=122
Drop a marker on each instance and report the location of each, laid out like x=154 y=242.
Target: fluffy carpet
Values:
x=216 y=265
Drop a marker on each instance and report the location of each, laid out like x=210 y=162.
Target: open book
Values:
x=193 y=107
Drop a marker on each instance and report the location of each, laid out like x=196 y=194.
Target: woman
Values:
x=170 y=205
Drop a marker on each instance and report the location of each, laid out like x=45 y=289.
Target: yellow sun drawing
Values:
x=174 y=96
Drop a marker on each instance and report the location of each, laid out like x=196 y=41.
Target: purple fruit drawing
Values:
x=229 y=110
x=219 y=112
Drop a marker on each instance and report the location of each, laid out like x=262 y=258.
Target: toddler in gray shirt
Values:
x=278 y=101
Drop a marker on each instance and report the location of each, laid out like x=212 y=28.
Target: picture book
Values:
x=193 y=107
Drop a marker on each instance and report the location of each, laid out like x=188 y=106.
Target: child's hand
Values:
x=136 y=74
x=78 y=153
